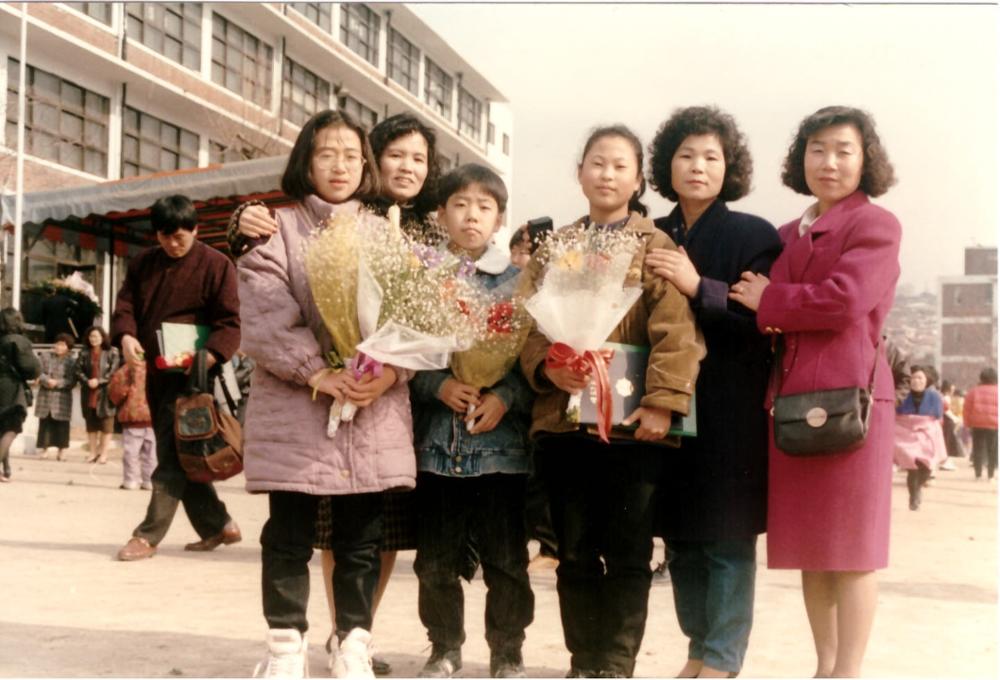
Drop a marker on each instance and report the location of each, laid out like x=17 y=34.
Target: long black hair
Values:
x=619 y=130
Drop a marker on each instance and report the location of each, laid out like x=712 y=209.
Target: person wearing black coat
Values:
x=18 y=365
x=713 y=494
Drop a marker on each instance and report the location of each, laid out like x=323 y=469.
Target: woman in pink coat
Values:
x=287 y=451
x=827 y=298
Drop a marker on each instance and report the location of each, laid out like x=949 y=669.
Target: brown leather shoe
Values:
x=229 y=534
x=136 y=549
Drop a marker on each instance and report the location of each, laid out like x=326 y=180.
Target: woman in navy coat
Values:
x=713 y=494
x=828 y=295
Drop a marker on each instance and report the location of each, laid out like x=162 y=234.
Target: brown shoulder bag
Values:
x=209 y=439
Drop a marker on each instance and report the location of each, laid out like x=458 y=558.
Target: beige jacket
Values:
x=661 y=319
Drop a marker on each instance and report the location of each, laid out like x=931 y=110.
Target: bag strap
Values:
x=198 y=377
x=230 y=402
x=779 y=356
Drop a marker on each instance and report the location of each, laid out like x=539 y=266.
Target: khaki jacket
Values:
x=661 y=319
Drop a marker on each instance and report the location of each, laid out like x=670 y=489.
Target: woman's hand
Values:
x=676 y=267
x=329 y=382
x=256 y=222
x=653 y=423
x=92 y=383
x=132 y=350
x=566 y=379
x=487 y=415
x=748 y=290
x=366 y=390
x=51 y=383
x=458 y=396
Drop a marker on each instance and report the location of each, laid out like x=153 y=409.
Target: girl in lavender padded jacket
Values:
x=287 y=452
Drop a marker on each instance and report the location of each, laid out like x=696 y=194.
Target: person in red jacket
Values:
x=980 y=414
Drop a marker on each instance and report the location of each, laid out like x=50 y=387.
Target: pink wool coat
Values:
x=286 y=447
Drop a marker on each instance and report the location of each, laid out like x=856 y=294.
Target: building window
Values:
x=359 y=29
x=171 y=28
x=152 y=145
x=222 y=153
x=304 y=93
x=470 y=112
x=437 y=89
x=445 y=164
x=64 y=123
x=316 y=12
x=361 y=113
x=240 y=61
x=506 y=144
x=404 y=62
x=95 y=10
x=491 y=134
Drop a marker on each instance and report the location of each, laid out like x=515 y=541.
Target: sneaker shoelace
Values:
x=280 y=666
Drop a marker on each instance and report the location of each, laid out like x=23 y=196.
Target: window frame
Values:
x=64 y=114
x=323 y=13
x=140 y=134
x=408 y=79
x=435 y=76
x=354 y=15
x=314 y=86
x=466 y=127
x=258 y=89
x=347 y=103
x=158 y=36
x=85 y=8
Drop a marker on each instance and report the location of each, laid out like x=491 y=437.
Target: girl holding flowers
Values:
x=601 y=493
x=288 y=454
x=405 y=151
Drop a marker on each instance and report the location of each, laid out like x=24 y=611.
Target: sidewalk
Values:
x=69 y=610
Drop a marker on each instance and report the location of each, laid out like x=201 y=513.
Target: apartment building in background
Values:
x=967 y=341
x=120 y=90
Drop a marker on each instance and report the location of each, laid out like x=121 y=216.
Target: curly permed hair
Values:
x=400 y=125
x=877 y=173
x=701 y=120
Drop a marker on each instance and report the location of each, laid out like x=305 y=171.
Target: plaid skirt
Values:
x=399 y=527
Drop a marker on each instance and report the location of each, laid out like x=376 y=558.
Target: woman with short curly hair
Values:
x=714 y=493
x=829 y=293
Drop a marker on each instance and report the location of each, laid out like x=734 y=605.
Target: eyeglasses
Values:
x=329 y=159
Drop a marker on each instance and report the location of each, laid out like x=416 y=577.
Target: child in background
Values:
x=520 y=247
x=54 y=405
x=601 y=495
x=127 y=391
x=471 y=482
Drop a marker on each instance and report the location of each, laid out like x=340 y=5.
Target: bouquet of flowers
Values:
x=503 y=326
x=585 y=269
x=385 y=300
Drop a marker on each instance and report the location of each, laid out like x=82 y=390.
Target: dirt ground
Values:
x=67 y=609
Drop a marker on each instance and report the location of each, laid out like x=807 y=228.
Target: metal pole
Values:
x=19 y=196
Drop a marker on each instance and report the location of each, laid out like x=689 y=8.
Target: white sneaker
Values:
x=948 y=465
x=286 y=655
x=354 y=659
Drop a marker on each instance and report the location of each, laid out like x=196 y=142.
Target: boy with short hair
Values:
x=471 y=481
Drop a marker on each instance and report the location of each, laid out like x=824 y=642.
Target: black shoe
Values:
x=443 y=663
x=380 y=666
x=507 y=665
x=582 y=673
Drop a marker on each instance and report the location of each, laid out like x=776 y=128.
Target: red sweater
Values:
x=980 y=410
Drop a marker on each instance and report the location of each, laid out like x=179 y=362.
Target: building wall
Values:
x=981 y=261
x=968 y=319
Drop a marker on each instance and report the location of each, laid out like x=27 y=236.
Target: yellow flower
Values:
x=572 y=260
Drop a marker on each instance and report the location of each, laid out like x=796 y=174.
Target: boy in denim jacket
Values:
x=471 y=480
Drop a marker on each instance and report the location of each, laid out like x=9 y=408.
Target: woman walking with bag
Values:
x=18 y=365
x=826 y=300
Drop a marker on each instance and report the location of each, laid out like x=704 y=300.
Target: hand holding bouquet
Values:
x=584 y=269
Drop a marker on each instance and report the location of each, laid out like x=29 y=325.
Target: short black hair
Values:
x=877 y=173
x=65 y=338
x=468 y=174
x=171 y=213
x=988 y=376
x=295 y=181
x=401 y=125
x=105 y=340
x=519 y=236
x=11 y=321
x=701 y=120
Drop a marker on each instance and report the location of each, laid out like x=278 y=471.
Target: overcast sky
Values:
x=927 y=74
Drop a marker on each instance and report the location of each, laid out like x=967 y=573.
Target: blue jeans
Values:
x=713 y=593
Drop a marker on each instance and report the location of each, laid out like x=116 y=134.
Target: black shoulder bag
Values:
x=821 y=422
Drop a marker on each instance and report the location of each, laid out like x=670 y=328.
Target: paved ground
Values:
x=67 y=609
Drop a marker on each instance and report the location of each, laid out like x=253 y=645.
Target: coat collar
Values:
x=714 y=214
x=636 y=223
x=319 y=210
x=833 y=217
x=493 y=261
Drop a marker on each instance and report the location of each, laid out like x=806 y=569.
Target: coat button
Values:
x=458 y=459
x=458 y=469
x=345 y=473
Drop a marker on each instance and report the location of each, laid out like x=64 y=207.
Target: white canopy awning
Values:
x=232 y=179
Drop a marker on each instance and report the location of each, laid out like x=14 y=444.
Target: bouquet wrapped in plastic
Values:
x=580 y=300
x=502 y=327
x=385 y=300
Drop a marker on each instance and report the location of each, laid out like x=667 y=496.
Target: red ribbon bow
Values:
x=591 y=362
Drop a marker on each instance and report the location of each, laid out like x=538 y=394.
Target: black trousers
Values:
x=287 y=545
x=538 y=517
x=488 y=512
x=206 y=512
x=601 y=498
x=984 y=451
